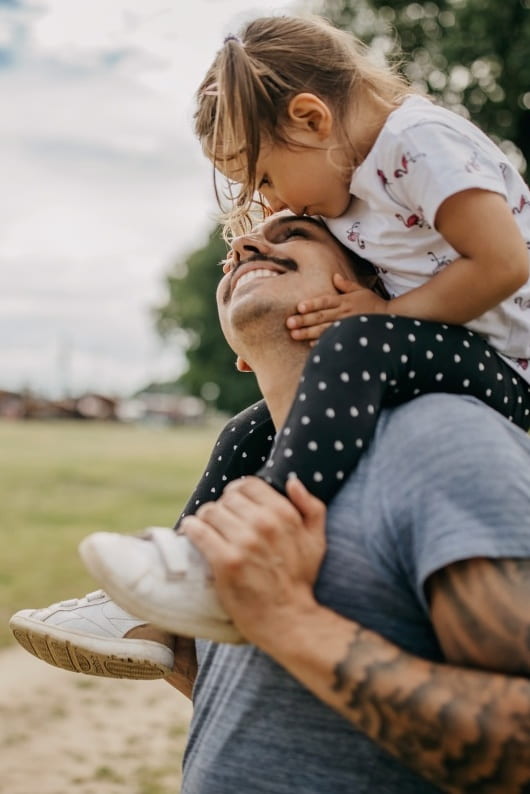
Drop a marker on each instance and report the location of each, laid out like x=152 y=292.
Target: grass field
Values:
x=60 y=481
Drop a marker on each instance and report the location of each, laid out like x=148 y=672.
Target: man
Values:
x=342 y=688
x=426 y=545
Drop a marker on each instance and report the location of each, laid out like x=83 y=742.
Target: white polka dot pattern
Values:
x=359 y=365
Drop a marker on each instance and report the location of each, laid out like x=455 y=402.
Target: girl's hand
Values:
x=317 y=314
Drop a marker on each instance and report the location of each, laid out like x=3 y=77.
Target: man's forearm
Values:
x=463 y=730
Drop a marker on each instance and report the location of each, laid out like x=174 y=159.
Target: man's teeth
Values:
x=261 y=272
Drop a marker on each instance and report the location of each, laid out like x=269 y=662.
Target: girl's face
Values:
x=304 y=178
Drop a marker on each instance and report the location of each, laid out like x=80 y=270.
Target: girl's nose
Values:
x=276 y=204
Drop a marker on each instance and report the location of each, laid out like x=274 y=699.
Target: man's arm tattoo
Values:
x=481 y=613
x=464 y=730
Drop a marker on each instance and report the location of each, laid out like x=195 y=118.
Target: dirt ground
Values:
x=65 y=732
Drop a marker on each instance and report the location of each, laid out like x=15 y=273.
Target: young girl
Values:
x=295 y=112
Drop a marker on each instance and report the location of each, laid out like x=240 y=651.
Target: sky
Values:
x=103 y=185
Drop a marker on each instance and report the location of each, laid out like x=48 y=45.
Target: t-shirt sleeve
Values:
x=459 y=489
x=430 y=161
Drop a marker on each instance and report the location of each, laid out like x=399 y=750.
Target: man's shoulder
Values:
x=446 y=432
x=438 y=410
x=448 y=479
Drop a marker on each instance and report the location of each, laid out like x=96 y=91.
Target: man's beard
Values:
x=257 y=325
x=264 y=314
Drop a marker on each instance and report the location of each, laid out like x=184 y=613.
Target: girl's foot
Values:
x=93 y=635
x=162 y=578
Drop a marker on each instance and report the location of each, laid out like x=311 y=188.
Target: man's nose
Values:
x=248 y=244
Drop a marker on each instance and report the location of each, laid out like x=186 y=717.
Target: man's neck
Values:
x=278 y=378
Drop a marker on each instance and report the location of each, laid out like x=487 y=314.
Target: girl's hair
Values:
x=244 y=97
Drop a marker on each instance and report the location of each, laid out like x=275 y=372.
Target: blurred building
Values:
x=149 y=407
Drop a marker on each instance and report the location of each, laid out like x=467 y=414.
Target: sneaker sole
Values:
x=206 y=628
x=100 y=656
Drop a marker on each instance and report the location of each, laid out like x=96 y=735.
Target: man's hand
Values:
x=317 y=314
x=265 y=552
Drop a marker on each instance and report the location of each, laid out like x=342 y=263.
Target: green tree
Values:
x=472 y=55
x=189 y=316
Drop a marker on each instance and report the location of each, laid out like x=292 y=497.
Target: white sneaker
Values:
x=92 y=635
x=162 y=578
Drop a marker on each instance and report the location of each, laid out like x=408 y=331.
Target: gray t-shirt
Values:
x=445 y=478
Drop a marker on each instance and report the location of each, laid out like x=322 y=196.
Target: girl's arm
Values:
x=492 y=266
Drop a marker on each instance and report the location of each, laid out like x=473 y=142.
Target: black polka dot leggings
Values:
x=358 y=366
x=241 y=449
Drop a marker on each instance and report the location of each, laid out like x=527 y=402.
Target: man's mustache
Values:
x=286 y=262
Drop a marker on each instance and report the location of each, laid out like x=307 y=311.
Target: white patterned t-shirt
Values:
x=423 y=155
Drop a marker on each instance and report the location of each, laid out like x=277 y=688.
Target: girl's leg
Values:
x=366 y=362
x=242 y=447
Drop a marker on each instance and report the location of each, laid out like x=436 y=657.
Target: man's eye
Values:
x=294 y=232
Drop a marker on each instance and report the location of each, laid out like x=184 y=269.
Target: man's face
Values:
x=283 y=261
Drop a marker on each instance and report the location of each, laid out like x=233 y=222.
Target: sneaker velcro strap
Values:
x=173 y=551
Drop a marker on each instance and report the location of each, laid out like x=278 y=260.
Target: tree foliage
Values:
x=472 y=55
x=189 y=316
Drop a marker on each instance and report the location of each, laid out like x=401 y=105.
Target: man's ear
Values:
x=310 y=113
x=242 y=366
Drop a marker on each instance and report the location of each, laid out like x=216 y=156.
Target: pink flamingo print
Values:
x=523 y=202
x=354 y=235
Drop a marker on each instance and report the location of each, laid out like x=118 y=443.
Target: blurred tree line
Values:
x=190 y=316
x=473 y=56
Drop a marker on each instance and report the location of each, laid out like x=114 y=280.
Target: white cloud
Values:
x=103 y=185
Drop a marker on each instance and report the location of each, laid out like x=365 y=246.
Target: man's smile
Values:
x=250 y=275
x=256 y=266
